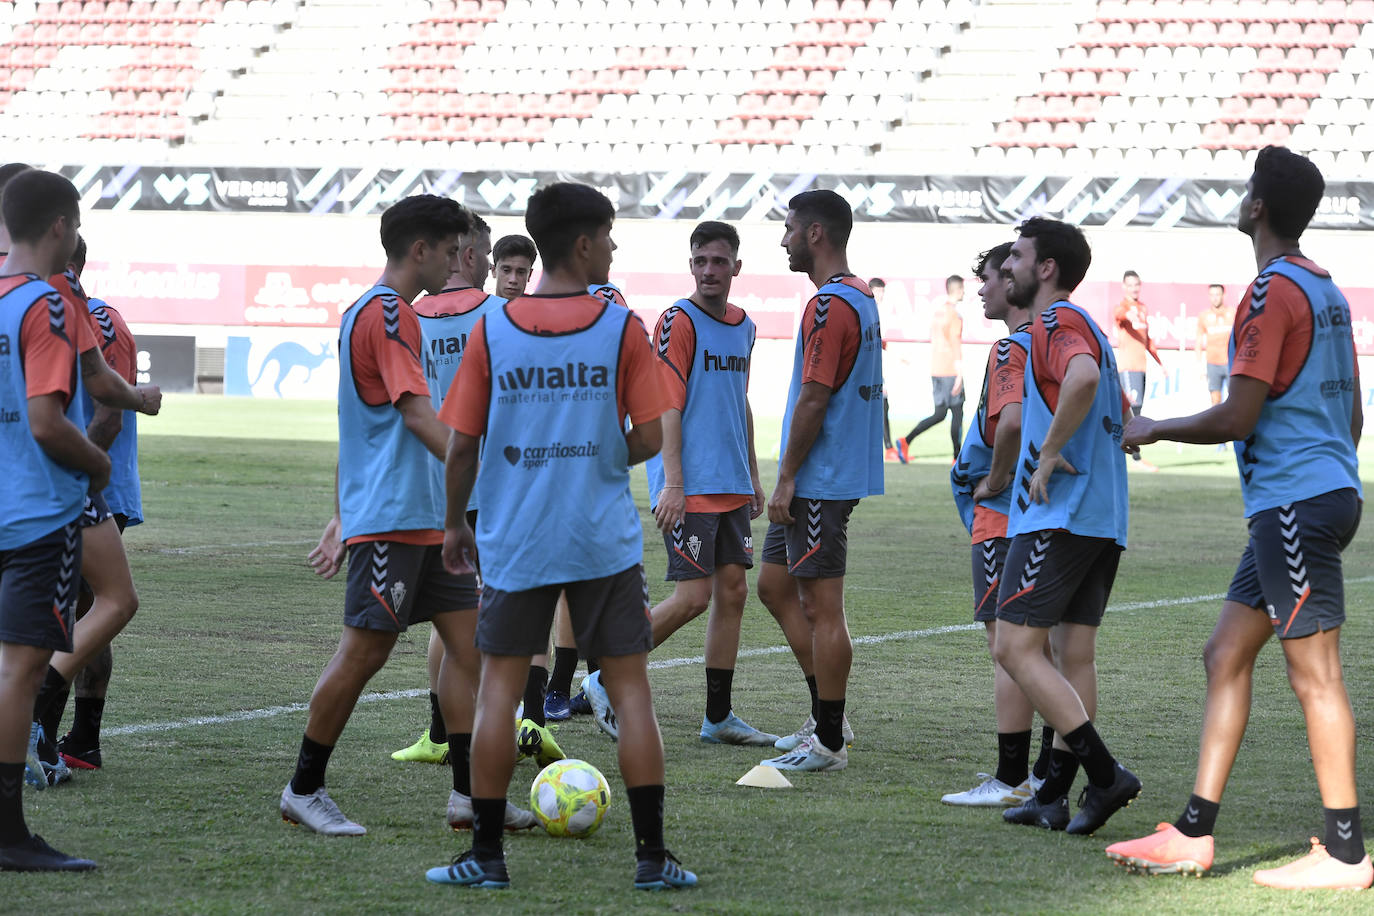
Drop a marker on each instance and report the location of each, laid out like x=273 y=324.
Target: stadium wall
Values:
x=272 y=279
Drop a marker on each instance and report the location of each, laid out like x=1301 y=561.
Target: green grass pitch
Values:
x=183 y=818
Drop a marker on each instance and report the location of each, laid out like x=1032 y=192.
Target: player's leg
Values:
x=383 y=585
x=106 y=569
x=778 y=593
x=37 y=601
x=689 y=599
x=564 y=670
x=432 y=745
x=1054 y=577
x=1308 y=602
x=940 y=389
x=817 y=551
x=607 y=618
x=80 y=747
x=511 y=628
x=720 y=725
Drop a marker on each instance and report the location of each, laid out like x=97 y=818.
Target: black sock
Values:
x=13 y=830
x=1097 y=761
x=646 y=812
x=460 y=760
x=54 y=686
x=1013 y=756
x=53 y=722
x=1344 y=838
x=564 y=667
x=593 y=666
x=1058 y=776
x=811 y=686
x=1199 y=818
x=534 y=693
x=310 y=765
x=488 y=820
x=1042 y=763
x=830 y=723
x=438 y=732
x=718 y=683
x=87 y=713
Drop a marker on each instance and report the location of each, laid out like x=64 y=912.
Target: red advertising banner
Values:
x=315 y=296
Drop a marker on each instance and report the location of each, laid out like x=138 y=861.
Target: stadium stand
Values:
x=999 y=86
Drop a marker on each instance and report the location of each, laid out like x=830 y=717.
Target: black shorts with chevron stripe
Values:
x=988 y=559
x=816 y=544
x=39 y=583
x=1055 y=577
x=392 y=585
x=704 y=540
x=1291 y=569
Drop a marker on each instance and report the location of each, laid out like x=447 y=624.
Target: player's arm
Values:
x=644 y=440
x=671 y=505
x=63 y=441
x=1076 y=394
x=756 y=502
x=808 y=416
x=1200 y=341
x=327 y=557
x=417 y=412
x=105 y=426
x=107 y=387
x=460 y=475
x=1006 y=445
x=1232 y=419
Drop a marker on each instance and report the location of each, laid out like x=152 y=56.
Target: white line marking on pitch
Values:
x=270 y=712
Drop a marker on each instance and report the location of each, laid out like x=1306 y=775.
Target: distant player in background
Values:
x=116 y=431
x=50 y=466
x=831 y=458
x=1068 y=522
x=1133 y=343
x=1294 y=414
x=878 y=287
x=389 y=511
x=981 y=480
x=704 y=485
x=1213 y=335
x=946 y=368
x=557 y=514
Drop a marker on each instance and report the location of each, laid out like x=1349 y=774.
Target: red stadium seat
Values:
x=1345 y=34
x=1009 y=133
x=1029 y=108
x=1259 y=34
x=1233 y=109
x=1310 y=84
x=1215 y=136
x=1293 y=110
x=1230 y=34
x=1175 y=33
x=1277 y=134
x=1327 y=60
x=1203 y=33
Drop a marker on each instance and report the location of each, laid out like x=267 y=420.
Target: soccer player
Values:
x=50 y=466
x=388 y=511
x=1293 y=411
x=946 y=368
x=704 y=485
x=1133 y=341
x=1213 y=337
x=831 y=458
x=550 y=381
x=1067 y=523
x=981 y=481
x=512 y=262
x=878 y=287
x=116 y=431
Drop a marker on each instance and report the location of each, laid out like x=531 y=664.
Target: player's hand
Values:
x=958 y=386
x=327 y=557
x=1139 y=431
x=780 y=503
x=986 y=491
x=100 y=479
x=757 y=502
x=460 y=550
x=1040 y=480
x=152 y=399
x=671 y=508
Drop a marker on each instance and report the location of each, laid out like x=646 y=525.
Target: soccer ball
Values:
x=570 y=797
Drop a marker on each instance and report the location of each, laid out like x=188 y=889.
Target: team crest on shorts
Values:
x=398 y=594
x=694 y=545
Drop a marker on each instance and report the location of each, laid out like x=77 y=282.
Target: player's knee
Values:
x=733 y=595
x=1220 y=659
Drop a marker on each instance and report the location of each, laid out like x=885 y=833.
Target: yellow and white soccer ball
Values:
x=570 y=797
